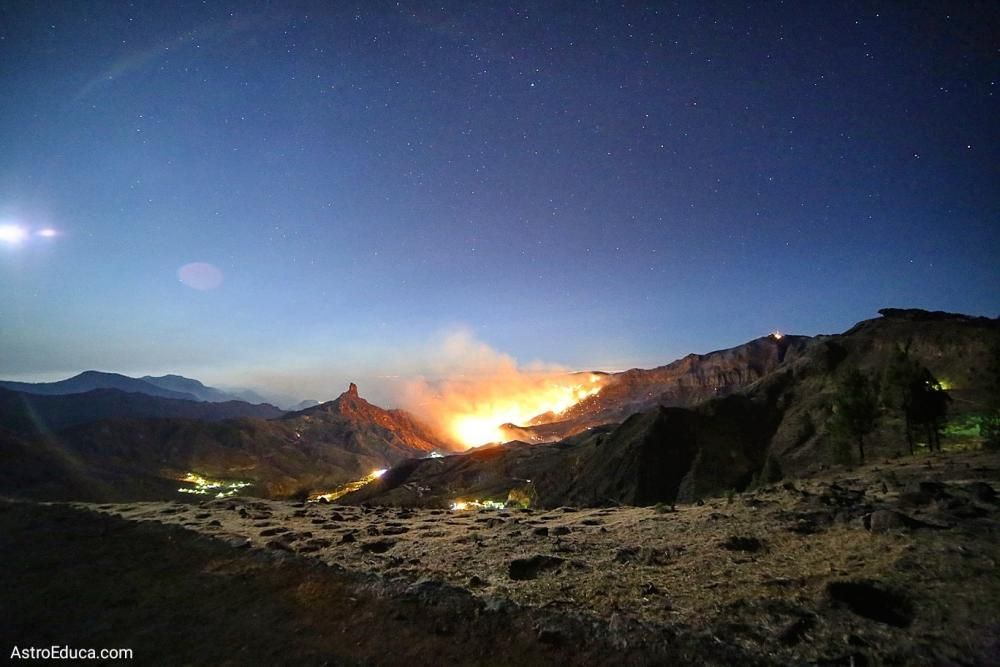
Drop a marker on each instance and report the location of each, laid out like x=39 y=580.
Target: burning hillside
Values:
x=482 y=421
x=478 y=391
x=477 y=412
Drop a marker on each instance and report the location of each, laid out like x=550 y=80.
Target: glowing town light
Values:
x=204 y=486
x=461 y=505
x=349 y=487
x=13 y=234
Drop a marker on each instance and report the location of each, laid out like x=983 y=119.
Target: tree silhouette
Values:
x=989 y=426
x=929 y=408
x=855 y=409
x=901 y=376
x=909 y=387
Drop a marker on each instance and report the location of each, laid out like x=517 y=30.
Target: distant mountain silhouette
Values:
x=303 y=405
x=184 y=385
x=90 y=380
x=164 y=386
x=133 y=457
x=48 y=414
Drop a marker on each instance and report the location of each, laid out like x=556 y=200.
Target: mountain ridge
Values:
x=664 y=453
x=90 y=380
x=142 y=457
x=673 y=454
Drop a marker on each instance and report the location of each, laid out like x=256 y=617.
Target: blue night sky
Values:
x=596 y=185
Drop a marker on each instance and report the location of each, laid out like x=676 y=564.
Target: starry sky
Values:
x=292 y=195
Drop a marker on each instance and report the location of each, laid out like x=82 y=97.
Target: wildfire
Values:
x=474 y=390
x=347 y=488
x=480 y=423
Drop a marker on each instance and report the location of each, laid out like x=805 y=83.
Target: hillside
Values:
x=889 y=564
x=360 y=427
x=53 y=413
x=672 y=454
x=686 y=382
x=143 y=458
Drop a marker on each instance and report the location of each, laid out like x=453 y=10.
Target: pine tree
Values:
x=989 y=426
x=855 y=409
x=901 y=376
x=929 y=407
x=910 y=388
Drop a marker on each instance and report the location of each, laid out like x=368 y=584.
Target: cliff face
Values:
x=684 y=383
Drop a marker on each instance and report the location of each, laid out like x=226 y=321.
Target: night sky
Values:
x=595 y=185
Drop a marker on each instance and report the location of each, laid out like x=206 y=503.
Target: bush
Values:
x=772 y=472
x=855 y=410
x=524 y=497
x=989 y=429
x=842 y=452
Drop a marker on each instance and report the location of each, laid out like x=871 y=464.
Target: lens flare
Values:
x=13 y=234
x=200 y=276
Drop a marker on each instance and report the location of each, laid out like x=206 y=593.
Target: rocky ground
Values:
x=894 y=563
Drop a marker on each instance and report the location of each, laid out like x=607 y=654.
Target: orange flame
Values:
x=485 y=389
x=480 y=423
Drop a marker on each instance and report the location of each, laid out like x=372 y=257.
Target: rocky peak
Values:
x=351 y=403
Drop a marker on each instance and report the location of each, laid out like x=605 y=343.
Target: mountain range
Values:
x=775 y=425
x=164 y=386
x=49 y=449
x=676 y=433
x=91 y=380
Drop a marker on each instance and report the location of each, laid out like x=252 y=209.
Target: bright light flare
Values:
x=481 y=423
x=349 y=487
x=48 y=233
x=13 y=234
x=462 y=505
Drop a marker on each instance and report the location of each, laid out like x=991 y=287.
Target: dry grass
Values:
x=670 y=568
